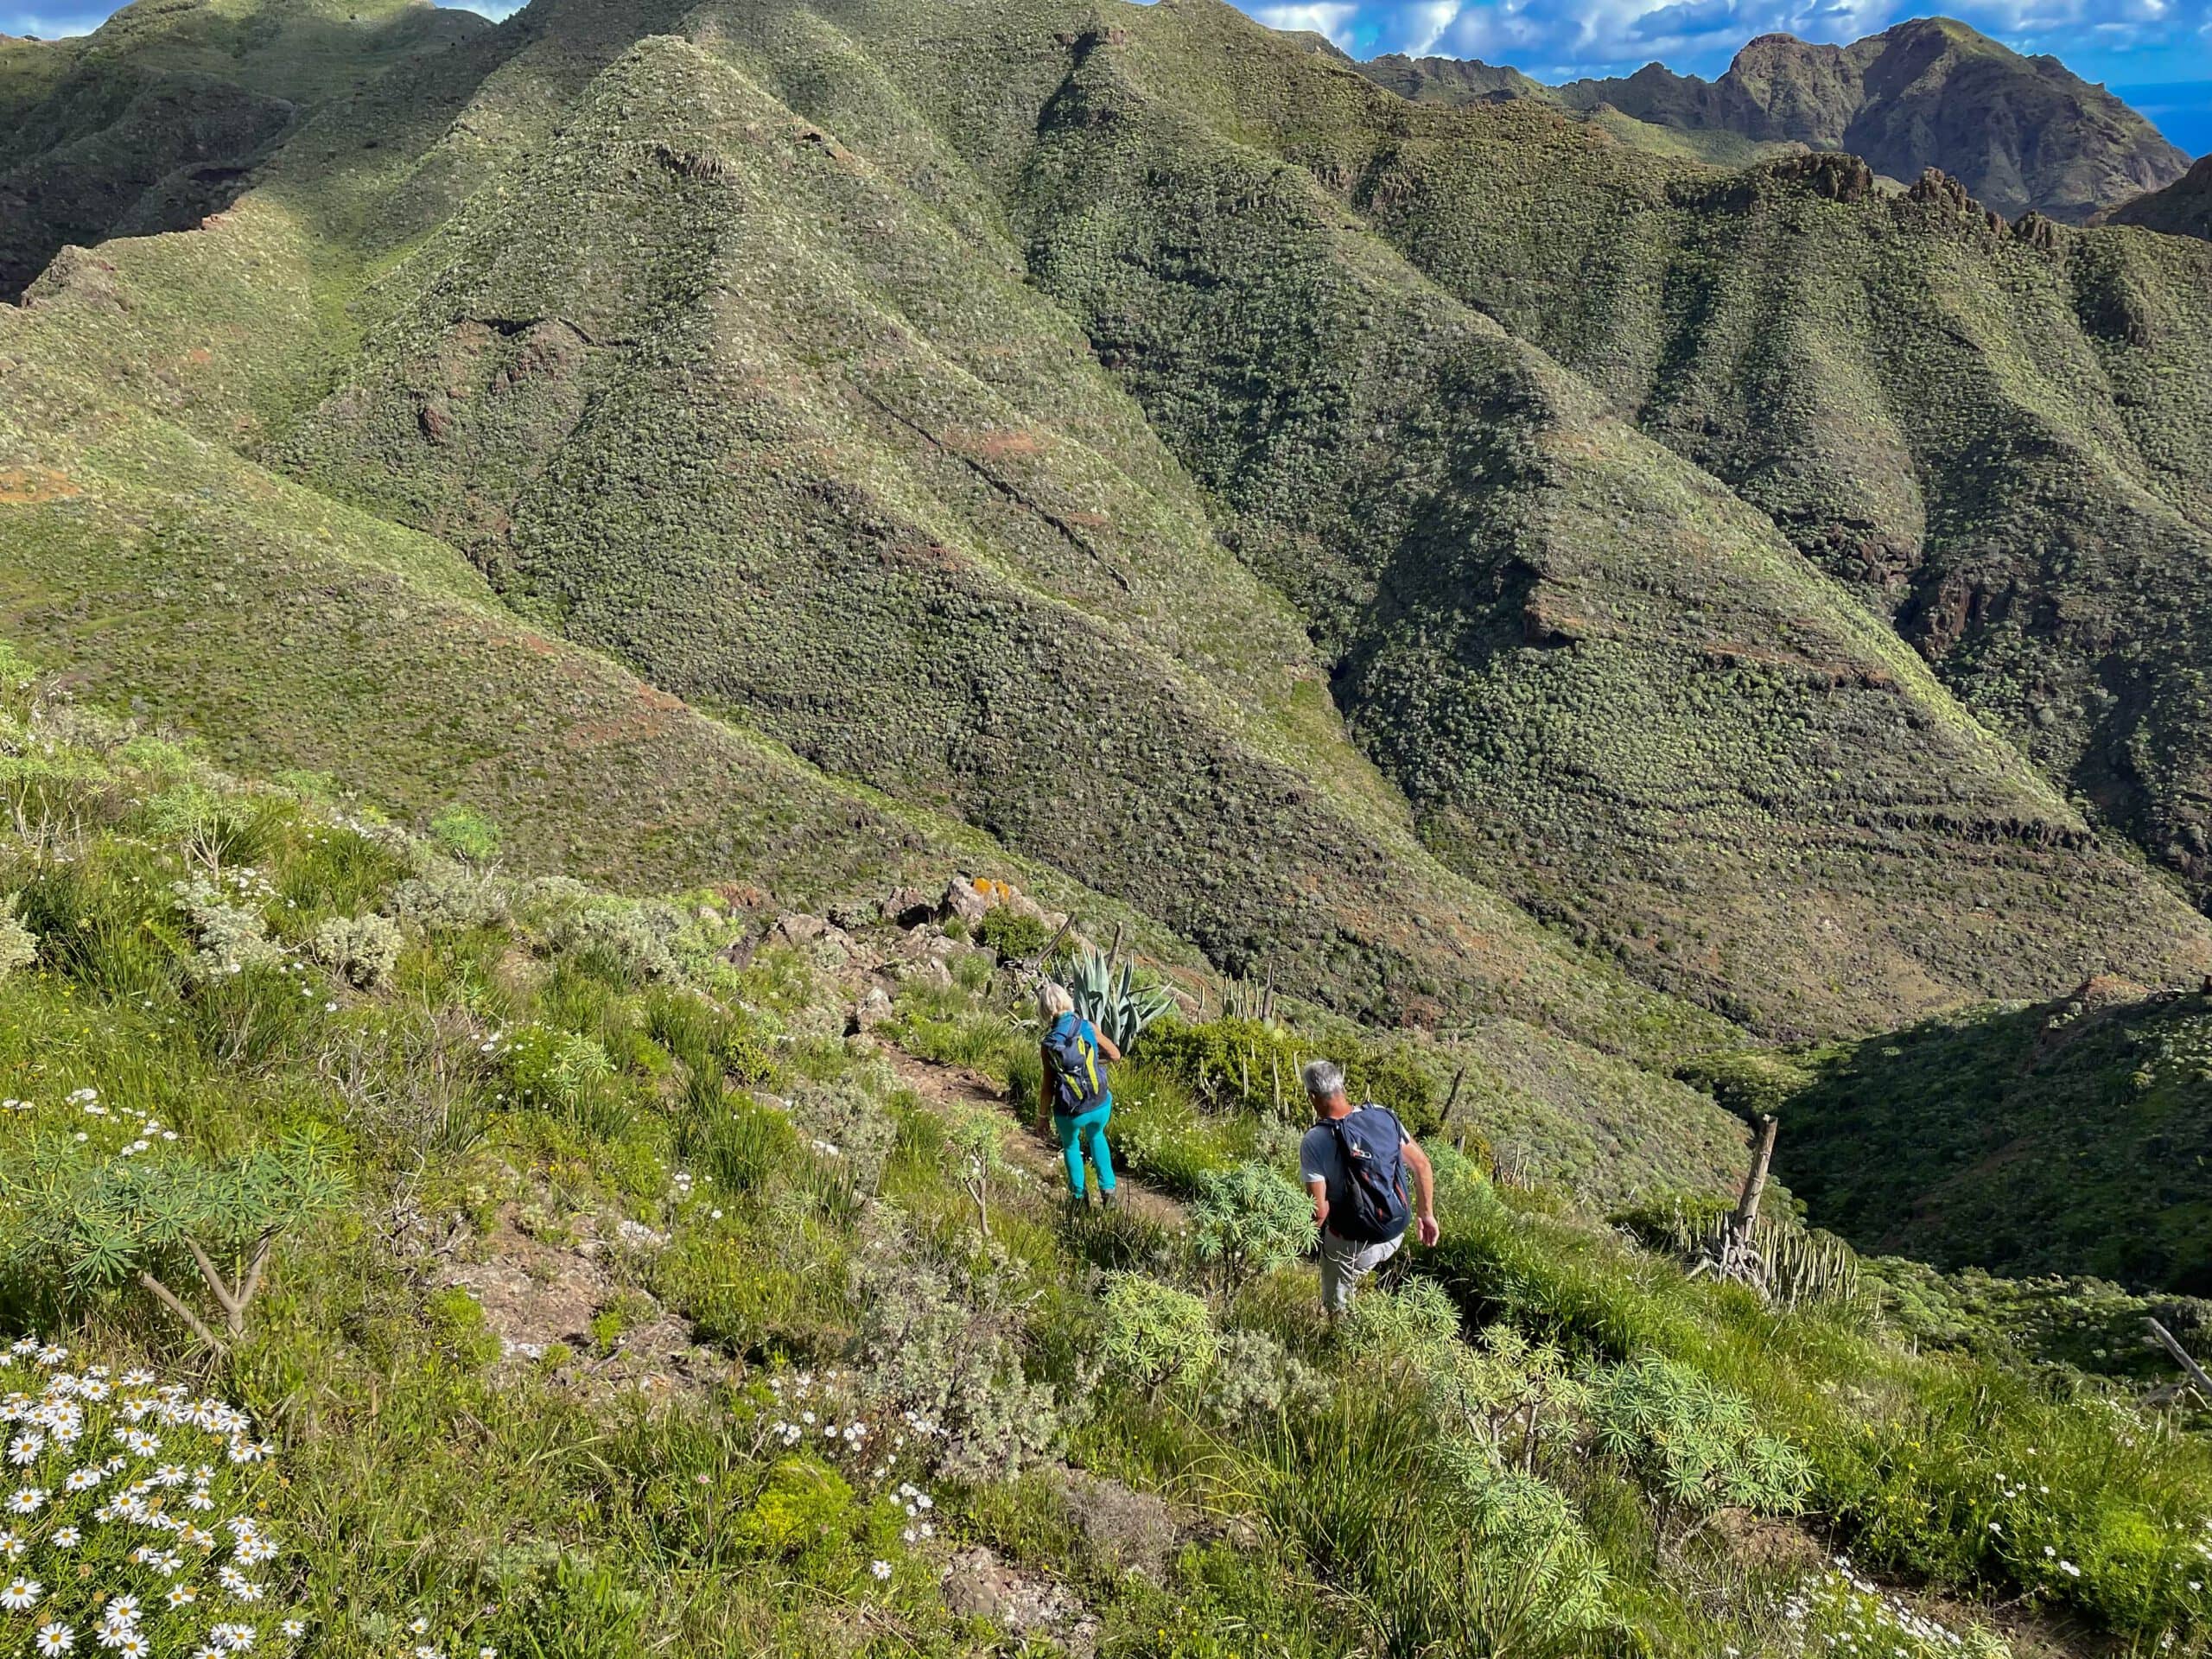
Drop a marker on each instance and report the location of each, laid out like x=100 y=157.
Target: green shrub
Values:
x=1541 y=1568
x=941 y=1340
x=806 y=1509
x=1253 y=1065
x=1249 y=1221
x=444 y=895
x=1152 y=1334
x=456 y=1325
x=109 y=1210
x=362 y=950
x=1159 y=1133
x=465 y=833
x=976 y=1142
x=1697 y=1447
x=1253 y=1377
x=231 y=936
x=628 y=941
x=1014 y=934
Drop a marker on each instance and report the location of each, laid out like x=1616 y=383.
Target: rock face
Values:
x=1450 y=80
x=2018 y=132
x=2183 y=208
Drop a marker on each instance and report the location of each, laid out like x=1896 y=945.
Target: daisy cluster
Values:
x=820 y=1413
x=1841 y=1613
x=132 y=1528
x=119 y=1129
x=2021 y=1527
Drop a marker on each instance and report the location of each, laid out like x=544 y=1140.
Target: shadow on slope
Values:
x=2065 y=1137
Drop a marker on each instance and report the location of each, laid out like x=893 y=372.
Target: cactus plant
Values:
x=1111 y=997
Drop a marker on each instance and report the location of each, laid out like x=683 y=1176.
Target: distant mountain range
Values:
x=2020 y=133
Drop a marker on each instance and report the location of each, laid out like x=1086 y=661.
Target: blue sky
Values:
x=2158 y=51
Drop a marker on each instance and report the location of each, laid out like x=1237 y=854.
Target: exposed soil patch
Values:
x=1028 y=1606
x=538 y=1296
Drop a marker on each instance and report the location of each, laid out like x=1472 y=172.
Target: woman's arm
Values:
x=1106 y=1045
x=1044 y=1090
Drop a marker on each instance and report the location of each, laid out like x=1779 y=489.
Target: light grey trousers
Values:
x=1344 y=1263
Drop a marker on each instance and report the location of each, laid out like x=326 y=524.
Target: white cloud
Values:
x=1565 y=37
x=1331 y=18
x=1427 y=23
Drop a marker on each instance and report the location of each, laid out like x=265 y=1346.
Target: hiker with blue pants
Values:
x=1354 y=1161
x=1075 y=1097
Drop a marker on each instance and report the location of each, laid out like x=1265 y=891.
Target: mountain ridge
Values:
x=2021 y=133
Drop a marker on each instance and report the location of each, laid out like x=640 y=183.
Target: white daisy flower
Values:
x=54 y=1639
x=21 y=1595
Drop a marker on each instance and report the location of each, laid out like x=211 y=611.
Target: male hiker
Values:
x=1354 y=1160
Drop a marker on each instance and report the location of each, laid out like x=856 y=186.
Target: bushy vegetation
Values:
x=1119 y=456
x=2055 y=1138
x=618 y=1273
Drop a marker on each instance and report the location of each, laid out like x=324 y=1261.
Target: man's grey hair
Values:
x=1325 y=1079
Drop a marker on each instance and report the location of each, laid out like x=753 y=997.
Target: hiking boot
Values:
x=1110 y=1198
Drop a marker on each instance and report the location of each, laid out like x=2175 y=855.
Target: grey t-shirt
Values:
x=1320 y=1161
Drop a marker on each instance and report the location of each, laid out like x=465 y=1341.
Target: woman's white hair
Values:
x=1053 y=1000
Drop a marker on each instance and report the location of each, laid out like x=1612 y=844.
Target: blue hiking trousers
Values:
x=1086 y=1133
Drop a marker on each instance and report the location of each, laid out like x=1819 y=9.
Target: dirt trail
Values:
x=947 y=1087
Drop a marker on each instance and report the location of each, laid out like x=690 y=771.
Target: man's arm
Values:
x=1424 y=1181
x=1319 y=1191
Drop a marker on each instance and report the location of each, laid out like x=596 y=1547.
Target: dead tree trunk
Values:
x=2165 y=1340
x=1747 y=1206
x=1734 y=1255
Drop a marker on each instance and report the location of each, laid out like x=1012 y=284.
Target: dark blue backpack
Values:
x=1373 y=1208
x=1079 y=1080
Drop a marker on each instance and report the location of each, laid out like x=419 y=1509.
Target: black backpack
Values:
x=1373 y=1208
x=1079 y=1078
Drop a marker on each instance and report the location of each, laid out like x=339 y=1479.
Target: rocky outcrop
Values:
x=2019 y=133
x=2183 y=208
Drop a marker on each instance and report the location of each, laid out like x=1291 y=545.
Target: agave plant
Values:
x=1112 y=998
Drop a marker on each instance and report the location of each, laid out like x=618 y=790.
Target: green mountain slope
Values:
x=1997 y=439
x=2069 y=1136
x=156 y=119
x=1602 y=685
x=1095 y=434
